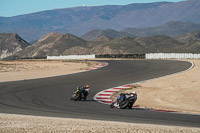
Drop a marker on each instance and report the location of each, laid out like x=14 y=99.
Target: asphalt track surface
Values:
x=51 y=96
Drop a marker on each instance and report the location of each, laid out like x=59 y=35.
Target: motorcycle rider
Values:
x=134 y=94
x=121 y=97
x=86 y=90
x=83 y=90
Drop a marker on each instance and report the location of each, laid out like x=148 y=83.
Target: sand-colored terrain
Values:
x=178 y=92
x=32 y=69
x=36 y=124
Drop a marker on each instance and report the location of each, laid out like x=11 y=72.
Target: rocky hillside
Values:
x=171 y=29
x=11 y=43
x=52 y=44
x=189 y=37
x=192 y=41
x=94 y=34
x=79 y=20
x=193 y=47
x=144 y=44
x=102 y=38
x=130 y=45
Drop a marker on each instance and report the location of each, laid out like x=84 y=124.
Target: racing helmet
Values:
x=87 y=86
x=134 y=93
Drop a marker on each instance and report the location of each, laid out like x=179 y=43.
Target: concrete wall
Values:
x=172 y=56
x=71 y=57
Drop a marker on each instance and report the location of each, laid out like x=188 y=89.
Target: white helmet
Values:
x=134 y=93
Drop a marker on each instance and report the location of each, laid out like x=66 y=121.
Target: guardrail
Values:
x=172 y=56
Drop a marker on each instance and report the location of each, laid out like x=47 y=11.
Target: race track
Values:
x=51 y=96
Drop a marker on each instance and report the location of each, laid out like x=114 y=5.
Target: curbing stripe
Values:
x=103 y=64
x=109 y=91
x=102 y=98
x=107 y=100
x=128 y=86
x=117 y=88
x=161 y=110
x=104 y=95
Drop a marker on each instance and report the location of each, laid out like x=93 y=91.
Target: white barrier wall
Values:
x=71 y=57
x=172 y=56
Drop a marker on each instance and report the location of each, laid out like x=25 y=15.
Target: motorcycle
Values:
x=80 y=94
x=124 y=102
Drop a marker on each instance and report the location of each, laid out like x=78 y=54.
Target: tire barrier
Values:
x=133 y=56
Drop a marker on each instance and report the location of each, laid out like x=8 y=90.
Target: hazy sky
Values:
x=18 y=7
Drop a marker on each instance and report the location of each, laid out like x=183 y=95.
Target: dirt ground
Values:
x=31 y=69
x=36 y=124
x=179 y=92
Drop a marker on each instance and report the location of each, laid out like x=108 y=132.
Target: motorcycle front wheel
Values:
x=77 y=96
x=130 y=105
x=112 y=105
x=123 y=104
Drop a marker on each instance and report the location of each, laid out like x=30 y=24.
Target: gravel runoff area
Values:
x=179 y=92
x=32 y=69
x=10 y=123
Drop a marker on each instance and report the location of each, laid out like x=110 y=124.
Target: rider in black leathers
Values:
x=122 y=96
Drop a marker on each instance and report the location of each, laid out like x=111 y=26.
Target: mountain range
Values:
x=172 y=29
x=80 y=20
x=67 y=44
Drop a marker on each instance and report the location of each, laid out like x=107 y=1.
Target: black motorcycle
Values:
x=124 y=102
